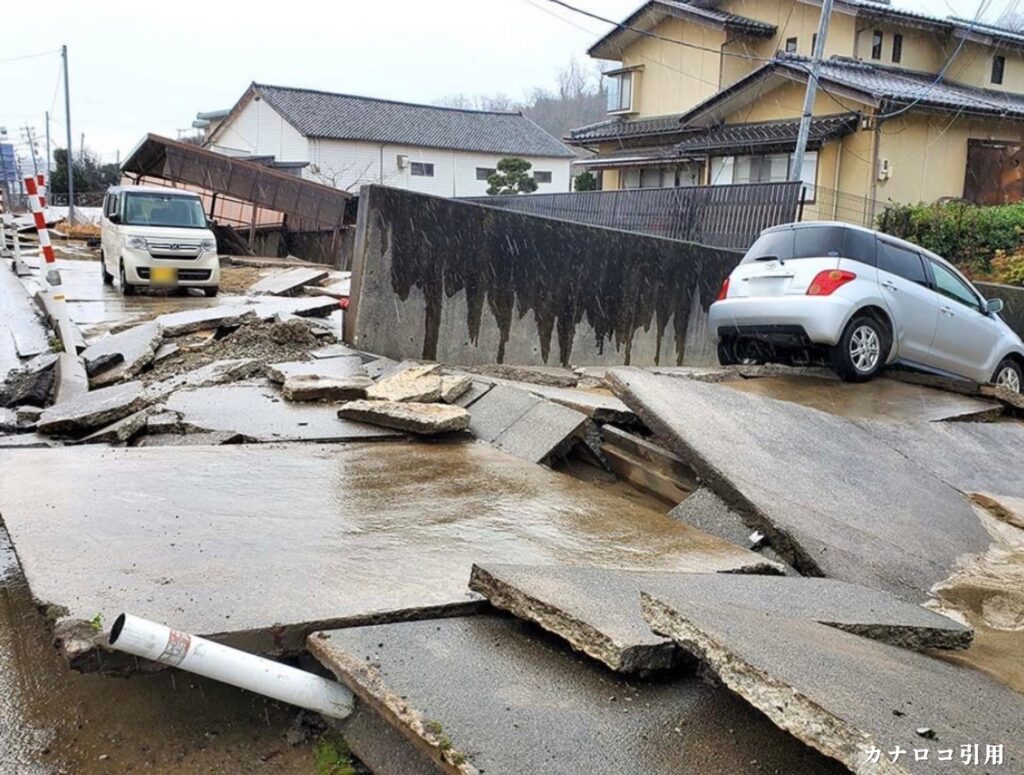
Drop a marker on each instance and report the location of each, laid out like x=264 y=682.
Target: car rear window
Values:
x=814 y=242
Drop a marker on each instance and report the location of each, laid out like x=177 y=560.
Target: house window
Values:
x=790 y=45
x=482 y=173
x=876 y=44
x=814 y=43
x=630 y=178
x=897 y=48
x=542 y=176
x=768 y=168
x=620 y=92
x=421 y=169
x=998 y=68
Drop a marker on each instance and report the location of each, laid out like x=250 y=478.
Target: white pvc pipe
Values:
x=160 y=643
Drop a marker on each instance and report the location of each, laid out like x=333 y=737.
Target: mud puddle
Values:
x=987 y=592
x=53 y=720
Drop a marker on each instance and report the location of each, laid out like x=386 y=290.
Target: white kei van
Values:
x=157 y=237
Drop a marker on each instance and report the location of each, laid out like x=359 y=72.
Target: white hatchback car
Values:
x=866 y=300
x=157 y=237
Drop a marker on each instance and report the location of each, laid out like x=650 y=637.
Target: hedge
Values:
x=968 y=235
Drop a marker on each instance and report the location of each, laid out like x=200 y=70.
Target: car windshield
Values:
x=148 y=209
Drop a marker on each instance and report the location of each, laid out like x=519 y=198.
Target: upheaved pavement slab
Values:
x=191 y=320
x=335 y=368
x=852 y=698
x=421 y=419
x=598 y=610
x=70 y=377
x=489 y=694
x=454 y=387
x=260 y=414
x=286 y=282
x=831 y=498
x=881 y=399
x=129 y=351
x=523 y=424
x=91 y=410
x=972 y=457
x=415 y=382
x=22 y=333
x=310 y=387
x=344 y=534
x=598 y=406
x=268 y=307
x=122 y=431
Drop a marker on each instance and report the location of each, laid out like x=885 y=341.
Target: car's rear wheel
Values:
x=862 y=349
x=126 y=287
x=738 y=352
x=1009 y=375
x=211 y=292
x=108 y=278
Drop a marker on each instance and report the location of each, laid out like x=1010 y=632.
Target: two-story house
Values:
x=345 y=141
x=711 y=92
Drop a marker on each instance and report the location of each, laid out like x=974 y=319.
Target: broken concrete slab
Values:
x=216 y=373
x=8 y=420
x=337 y=368
x=454 y=387
x=1009 y=399
x=485 y=694
x=163 y=422
x=191 y=320
x=821 y=488
x=130 y=350
x=599 y=406
x=92 y=410
x=330 y=524
x=268 y=307
x=492 y=414
x=546 y=430
x=850 y=697
x=24 y=441
x=165 y=350
x=418 y=418
x=312 y=387
x=289 y=281
x=597 y=610
x=336 y=351
x=886 y=400
x=70 y=378
x=120 y=432
x=952 y=384
x=259 y=413
x=190 y=439
x=553 y=376
x=475 y=391
x=379 y=367
x=420 y=383
x=972 y=457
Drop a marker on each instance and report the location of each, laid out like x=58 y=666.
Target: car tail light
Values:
x=725 y=290
x=826 y=283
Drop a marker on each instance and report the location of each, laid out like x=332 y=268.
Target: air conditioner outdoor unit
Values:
x=403 y=161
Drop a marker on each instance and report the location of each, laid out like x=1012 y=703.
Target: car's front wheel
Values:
x=1009 y=375
x=862 y=350
x=108 y=278
x=126 y=287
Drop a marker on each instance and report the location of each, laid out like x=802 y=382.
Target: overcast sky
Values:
x=133 y=71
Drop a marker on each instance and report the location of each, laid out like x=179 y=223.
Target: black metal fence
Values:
x=717 y=216
x=827 y=204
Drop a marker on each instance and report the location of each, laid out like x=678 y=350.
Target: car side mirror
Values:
x=114 y=218
x=210 y=224
x=994 y=306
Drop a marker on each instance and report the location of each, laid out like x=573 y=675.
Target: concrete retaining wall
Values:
x=469 y=284
x=1013 y=298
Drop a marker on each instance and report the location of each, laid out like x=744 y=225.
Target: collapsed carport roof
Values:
x=179 y=162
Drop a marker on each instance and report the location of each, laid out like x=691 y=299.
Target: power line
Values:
x=29 y=56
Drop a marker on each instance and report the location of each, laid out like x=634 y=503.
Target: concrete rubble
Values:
x=313 y=387
x=342 y=367
x=123 y=355
x=597 y=610
x=820 y=487
x=307 y=533
x=192 y=320
x=484 y=694
x=420 y=383
x=419 y=418
x=92 y=410
x=845 y=695
x=287 y=282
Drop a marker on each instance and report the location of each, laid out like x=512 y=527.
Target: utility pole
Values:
x=31 y=140
x=812 y=91
x=67 y=116
x=47 y=147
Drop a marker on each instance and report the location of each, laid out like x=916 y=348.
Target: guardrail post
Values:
x=48 y=269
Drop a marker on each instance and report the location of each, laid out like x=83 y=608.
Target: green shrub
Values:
x=968 y=235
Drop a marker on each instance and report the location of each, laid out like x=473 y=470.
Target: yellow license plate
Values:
x=163 y=275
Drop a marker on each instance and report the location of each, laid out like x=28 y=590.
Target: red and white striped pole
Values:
x=51 y=278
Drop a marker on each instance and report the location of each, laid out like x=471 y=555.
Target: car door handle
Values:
x=890 y=286
x=947 y=311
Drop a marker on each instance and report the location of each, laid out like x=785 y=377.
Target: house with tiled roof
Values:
x=909 y=108
x=345 y=141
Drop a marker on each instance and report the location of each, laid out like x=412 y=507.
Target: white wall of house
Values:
x=260 y=130
x=348 y=165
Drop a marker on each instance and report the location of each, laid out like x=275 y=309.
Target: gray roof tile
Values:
x=623 y=128
x=348 y=117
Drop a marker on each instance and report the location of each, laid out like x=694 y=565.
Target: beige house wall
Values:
x=973 y=65
x=928 y=153
x=792 y=20
x=674 y=77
